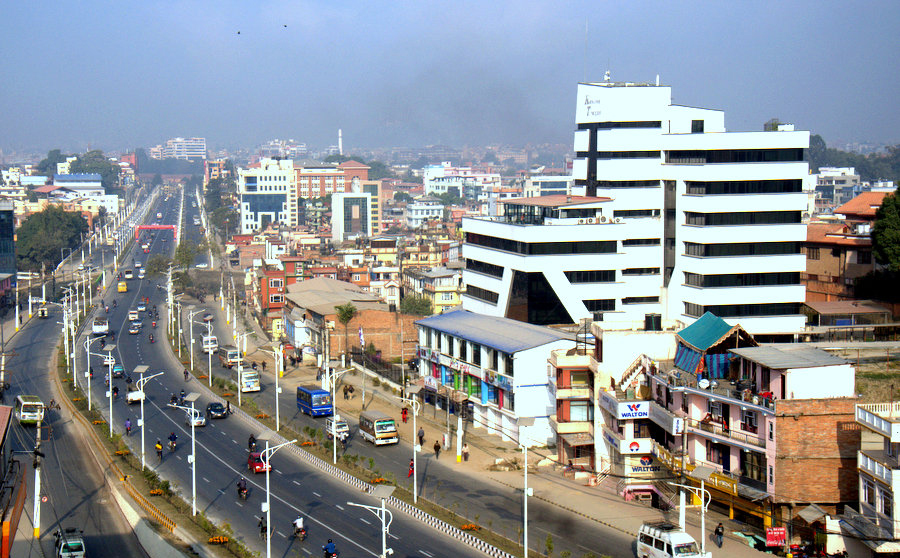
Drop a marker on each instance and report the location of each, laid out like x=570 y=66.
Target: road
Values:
x=296 y=488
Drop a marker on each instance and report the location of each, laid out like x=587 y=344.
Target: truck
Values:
x=100 y=327
x=69 y=543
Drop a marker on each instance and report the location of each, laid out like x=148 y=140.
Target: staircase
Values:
x=600 y=475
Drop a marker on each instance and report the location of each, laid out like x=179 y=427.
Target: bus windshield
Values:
x=387 y=425
x=321 y=399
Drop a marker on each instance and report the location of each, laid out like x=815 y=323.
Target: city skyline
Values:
x=113 y=77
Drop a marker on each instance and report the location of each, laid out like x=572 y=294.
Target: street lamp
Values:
x=191 y=327
x=525 y=422
x=278 y=357
x=415 y=405
x=332 y=377
x=266 y=454
x=87 y=366
x=142 y=369
x=384 y=492
x=109 y=349
x=700 y=473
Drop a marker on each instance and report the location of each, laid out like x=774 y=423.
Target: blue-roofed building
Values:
x=83 y=184
x=493 y=369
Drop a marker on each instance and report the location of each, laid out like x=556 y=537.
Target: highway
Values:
x=296 y=487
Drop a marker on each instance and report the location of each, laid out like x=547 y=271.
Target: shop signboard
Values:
x=776 y=536
x=643 y=466
x=669 y=422
x=626 y=410
x=431 y=382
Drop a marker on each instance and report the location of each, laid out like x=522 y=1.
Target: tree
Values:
x=96 y=162
x=378 y=170
x=402 y=197
x=43 y=236
x=184 y=255
x=886 y=233
x=416 y=305
x=157 y=265
x=225 y=218
x=345 y=314
x=31 y=196
x=336 y=158
x=47 y=166
x=771 y=125
x=157 y=180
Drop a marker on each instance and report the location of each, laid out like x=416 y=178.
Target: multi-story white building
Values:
x=711 y=220
x=268 y=194
x=180 y=148
x=461 y=181
x=547 y=185
x=423 y=209
x=351 y=216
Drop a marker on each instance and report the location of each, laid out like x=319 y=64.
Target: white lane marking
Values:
x=221 y=491
x=393 y=536
x=426 y=553
x=338 y=507
x=317 y=494
x=205 y=479
x=295 y=482
x=364 y=521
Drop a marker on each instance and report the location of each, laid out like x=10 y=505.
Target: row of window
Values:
x=736 y=187
x=627 y=184
x=746 y=218
x=879 y=498
x=743 y=310
x=468 y=351
x=482 y=294
x=702 y=157
x=741 y=249
x=484 y=267
x=863 y=257
x=542 y=248
x=615 y=125
x=742 y=279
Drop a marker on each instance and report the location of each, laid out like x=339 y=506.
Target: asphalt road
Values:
x=72 y=480
x=296 y=488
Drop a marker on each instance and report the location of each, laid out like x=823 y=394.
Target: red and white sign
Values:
x=776 y=536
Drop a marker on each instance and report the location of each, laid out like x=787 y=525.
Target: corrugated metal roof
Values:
x=80 y=177
x=782 y=358
x=708 y=330
x=503 y=334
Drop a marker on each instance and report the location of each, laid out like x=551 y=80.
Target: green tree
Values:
x=416 y=305
x=96 y=162
x=771 y=125
x=886 y=233
x=378 y=170
x=43 y=236
x=336 y=158
x=157 y=180
x=402 y=197
x=184 y=255
x=225 y=219
x=345 y=314
x=31 y=196
x=157 y=265
x=47 y=166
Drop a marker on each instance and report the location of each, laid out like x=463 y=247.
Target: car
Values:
x=137 y=265
x=198 y=419
x=141 y=274
x=216 y=410
x=141 y=307
x=256 y=464
x=146 y=250
x=118 y=371
x=208 y=317
x=134 y=328
x=201 y=265
x=69 y=543
x=134 y=396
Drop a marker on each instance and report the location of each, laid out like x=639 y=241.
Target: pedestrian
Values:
x=412 y=468
x=264 y=366
x=437 y=449
x=719 y=533
x=465 y=452
x=404 y=414
x=421 y=435
x=346 y=391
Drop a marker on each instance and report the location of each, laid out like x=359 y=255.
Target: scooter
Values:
x=243 y=493
x=300 y=534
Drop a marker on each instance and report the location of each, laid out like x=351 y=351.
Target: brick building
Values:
x=835 y=257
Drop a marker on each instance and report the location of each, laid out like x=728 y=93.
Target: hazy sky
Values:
x=116 y=75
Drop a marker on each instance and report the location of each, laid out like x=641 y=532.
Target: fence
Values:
x=387 y=370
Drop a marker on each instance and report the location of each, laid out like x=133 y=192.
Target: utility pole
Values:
x=37 y=479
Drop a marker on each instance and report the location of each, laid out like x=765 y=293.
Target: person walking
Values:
x=719 y=533
x=404 y=414
x=421 y=435
x=437 y=449
x=465 y=452
x=412 y=468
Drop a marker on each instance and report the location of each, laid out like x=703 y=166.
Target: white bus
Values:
x=662 y=539
x=29 y=409
x=100 y=326
x=247 y=380
x=210 y=344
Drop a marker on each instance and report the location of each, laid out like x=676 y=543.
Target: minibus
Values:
x=378 y=428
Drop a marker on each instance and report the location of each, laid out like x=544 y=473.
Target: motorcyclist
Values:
x=154 y=324
x=329 y=549
x=115 y=391
x=242 y=487
x=151 y=338
x=181 y=399
x=251 y=443
x=115 y=303
x=299 y=529
x=174 y=399
x=128 y=427
x=173 y=439
x=186 y=374
x=159 y=448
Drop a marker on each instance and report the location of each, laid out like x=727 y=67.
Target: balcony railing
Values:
x=722 y=387
x=722 y=430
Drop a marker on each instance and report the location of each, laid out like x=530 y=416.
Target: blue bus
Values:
x=314 y=401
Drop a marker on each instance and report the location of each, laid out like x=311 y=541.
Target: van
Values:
x=133 y=316
x=210 y=344
x=378 y=428
x=336 y=425
x=129 y=274
x=663 y=539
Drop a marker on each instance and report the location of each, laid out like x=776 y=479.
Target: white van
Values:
x=662 y=539
x=133 y=316
x=210 y=344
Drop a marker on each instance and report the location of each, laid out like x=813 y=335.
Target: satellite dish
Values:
x=703 y=383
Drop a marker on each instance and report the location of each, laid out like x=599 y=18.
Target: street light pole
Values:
x=140 y=385
x=266 y=455
x=525 y=422
x=415 y=405
x=332 y=379
x=109 y=349
x=383 y=492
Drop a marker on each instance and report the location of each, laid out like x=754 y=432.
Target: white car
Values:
x=109 y=360
x=134 y=396
x=198 y=419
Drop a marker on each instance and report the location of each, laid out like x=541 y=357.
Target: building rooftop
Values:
x=707 y=331
x=837 y=234
x=81 y=177
x=781 y=357
x=842 y=307
x=864 y=205
x=557 y=200
x=503 y=334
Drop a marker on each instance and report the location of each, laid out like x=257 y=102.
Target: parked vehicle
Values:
x=378 y=428
x=662 y=539
x=69 y=543
x=314 y=401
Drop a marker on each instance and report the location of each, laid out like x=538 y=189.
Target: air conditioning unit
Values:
x=617 y=220
x=581 y=221
x=604 y=219
x=591 y=220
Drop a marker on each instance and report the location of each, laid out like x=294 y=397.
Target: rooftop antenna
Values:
x=657 y=80
x=585 y=49
x=606 y=76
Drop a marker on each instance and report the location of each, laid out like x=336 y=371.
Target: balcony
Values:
x=735 y=391
x=883 y=418
x=719 y=480
x=720 y=432
x=572 y=427
x=571 y=358
x=877 y=464
x=575 y=391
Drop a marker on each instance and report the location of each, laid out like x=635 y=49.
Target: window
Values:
x=484 y=267
x=612 y=125
x=636 y=213
x=868 y=492
x=356 y=277
x=745 y=218
x=714 y=408
x=748 y=421
x=702 y=157
x=640 y=299
x=463 y=353
x=771 y=474
x=743 y=310
x=592 y=276
x=509 y=400
x=812 y=253
x=495 y=359
x=640 y=242
x=628 y=184
x=864 y=257
x=741 y=279
x=887 y=503
x=476 y=354
x=627 y=155
x=482 y=294
x=771 y=431
x=542 y=248
x=276 y=299
x=741 y=249
x=581 y=411
x=696 y=126
x=600 y=305
x=641 y=271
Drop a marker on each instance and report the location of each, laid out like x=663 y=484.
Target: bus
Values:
x=29 y=409
x=378 y=428
x=247 y=379
x=123 y=286
x=100 y=326
x=229 y=356
x=314 y=401
x=209 y=344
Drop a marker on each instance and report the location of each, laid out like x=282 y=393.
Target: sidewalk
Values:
x=599 y=504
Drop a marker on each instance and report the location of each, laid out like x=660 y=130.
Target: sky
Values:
x=119 y=75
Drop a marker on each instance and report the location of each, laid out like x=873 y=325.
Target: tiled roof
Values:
x=865 y=204
x=835 y=234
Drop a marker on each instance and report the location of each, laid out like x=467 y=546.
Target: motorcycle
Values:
x=300 y=533
x=243 y=492
x=171 y=445
x=151 y=338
